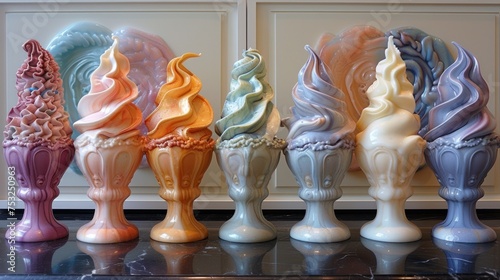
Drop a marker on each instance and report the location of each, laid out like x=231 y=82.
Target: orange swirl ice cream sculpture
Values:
x=389 y=150
x=179 y=151
x=110 y=147
x=37 y=145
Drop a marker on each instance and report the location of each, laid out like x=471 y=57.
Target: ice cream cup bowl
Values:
x=179 y=171
x=108 y=165
x=319 y=169
x=248 y=164
x=460 y=170
x=389 y=172
x=38 y=169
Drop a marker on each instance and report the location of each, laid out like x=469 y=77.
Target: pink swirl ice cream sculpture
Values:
x=110 y=147
x=462 y=148
x=247 y=150
x=179 y=150
x=37 y=145
x=319 y=151
x=389 y=149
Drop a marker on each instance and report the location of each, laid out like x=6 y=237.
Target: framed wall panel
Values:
x=213 y=28
x=281 y=29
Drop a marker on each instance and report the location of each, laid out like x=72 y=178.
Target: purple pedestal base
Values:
x=38 y=171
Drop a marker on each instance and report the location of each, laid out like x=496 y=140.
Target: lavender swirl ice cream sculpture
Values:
x=462 y=148
x=110 y=147
x=389 y=149
x=320 y=146
x=247 y=150
x=37 y=144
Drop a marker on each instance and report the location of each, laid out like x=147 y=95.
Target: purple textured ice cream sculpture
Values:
x=462 y=148
x=319 y=150
x=37 y=144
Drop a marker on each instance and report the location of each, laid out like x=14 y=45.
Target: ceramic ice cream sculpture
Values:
x=110 y=147
x=319 y=151
x=179 y=151
x=462 y=148
x=247 y=150
x=389 y=150
x=37 y=144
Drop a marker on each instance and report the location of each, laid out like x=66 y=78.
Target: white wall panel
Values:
x=213 y=28
x=281 y=29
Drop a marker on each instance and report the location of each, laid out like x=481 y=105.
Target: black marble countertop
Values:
x=283 y=258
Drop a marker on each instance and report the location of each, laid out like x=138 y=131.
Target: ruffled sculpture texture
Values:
x=37 y=144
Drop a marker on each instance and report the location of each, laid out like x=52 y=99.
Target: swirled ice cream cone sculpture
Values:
x=462 y=148
x=319 y=151
x=110 y=148
x=389 y=150
x=179 y=151
x=37 y=146
x=247 y=150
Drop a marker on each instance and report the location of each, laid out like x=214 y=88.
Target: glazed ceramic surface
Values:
x=248 y=171
x=179 y=172
x=389 y=174
x=460 y=172
x=38 y=171
x=319 y=174
x=108 y=166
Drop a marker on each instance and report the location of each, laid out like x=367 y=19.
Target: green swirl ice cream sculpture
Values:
x=247 y=150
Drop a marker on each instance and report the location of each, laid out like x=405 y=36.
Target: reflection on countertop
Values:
x=281 y=258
